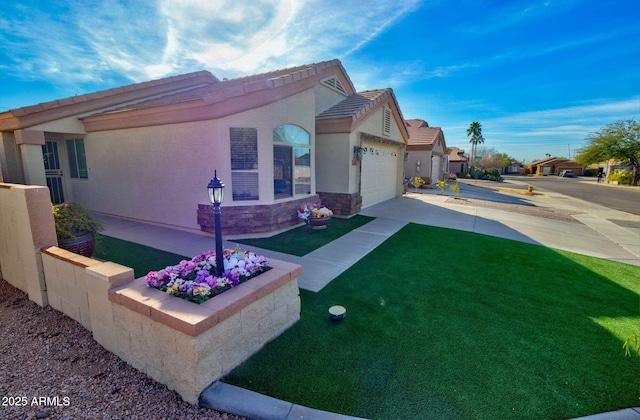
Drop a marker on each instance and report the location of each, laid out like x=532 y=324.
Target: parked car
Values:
x=566 y=173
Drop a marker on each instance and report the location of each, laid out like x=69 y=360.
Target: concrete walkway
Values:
x=601 y=232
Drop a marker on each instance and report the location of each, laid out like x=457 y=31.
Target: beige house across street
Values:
x=458 y=161
x=277 y=140
x=427 y=152
x=555 y=165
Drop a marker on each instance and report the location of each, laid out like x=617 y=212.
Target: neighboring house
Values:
x=555 y=165
x=147 y=151
x=515 y=168
x=427 y=152
x=458 y=161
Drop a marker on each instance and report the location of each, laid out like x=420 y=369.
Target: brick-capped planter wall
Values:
x=239 y=220
x=189 y=346
x=342 y=204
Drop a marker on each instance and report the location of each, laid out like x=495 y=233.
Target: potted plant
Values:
x=315 y=215
x=75 y=228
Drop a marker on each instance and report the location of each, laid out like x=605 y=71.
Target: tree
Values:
x=619 y=141
x=475 y=132
x=491 y=158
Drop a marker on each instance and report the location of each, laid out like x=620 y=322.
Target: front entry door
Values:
x=52 y=171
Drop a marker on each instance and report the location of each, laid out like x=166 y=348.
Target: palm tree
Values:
x=475 y=132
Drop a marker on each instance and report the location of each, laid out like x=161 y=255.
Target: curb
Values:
x=242 y=402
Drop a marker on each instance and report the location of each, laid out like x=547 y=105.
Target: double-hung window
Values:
x=77 y=159
x=291 y=161
x=244 y=163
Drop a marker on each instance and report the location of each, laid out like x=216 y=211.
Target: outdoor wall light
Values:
x=358 y=152
x=418 y=163
x=216 y=196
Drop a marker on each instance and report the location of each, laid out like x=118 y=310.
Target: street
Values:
x=625 y=199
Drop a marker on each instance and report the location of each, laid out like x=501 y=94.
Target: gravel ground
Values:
x=50 y=367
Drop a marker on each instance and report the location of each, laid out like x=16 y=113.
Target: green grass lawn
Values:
x=139 y=257
x=449 y=324
x=303 y=240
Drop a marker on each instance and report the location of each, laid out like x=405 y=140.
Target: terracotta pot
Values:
x=82 y=244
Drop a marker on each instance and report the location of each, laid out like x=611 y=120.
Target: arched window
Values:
x=291 y=161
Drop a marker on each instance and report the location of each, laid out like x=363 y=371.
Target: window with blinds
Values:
x=244 y=163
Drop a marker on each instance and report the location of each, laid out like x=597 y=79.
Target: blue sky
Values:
x=539 y=75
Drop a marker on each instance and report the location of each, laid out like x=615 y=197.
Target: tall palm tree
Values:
x=475 y=132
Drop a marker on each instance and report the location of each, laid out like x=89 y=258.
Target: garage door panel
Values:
x=379 y=173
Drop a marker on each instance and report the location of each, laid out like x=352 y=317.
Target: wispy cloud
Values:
x=80 y=41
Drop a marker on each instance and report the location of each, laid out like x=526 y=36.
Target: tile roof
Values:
x=356 y=105
x=197 y=86
x=457 y=155
x=225 y=88
x=19 y=112
x=421 y=134
x=82 y=104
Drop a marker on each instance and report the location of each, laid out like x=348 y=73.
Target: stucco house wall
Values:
x=151 y=148
x=335 y=153
x=171 y=165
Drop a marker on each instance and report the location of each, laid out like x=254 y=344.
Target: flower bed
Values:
x=196 y=281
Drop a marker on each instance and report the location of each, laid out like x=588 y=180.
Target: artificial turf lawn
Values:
x=303 y=240
x=139 y=257
x=449 y=324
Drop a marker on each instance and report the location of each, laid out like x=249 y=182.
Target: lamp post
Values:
x=216 y=196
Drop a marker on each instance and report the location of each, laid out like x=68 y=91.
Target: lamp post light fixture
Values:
x=216 y=196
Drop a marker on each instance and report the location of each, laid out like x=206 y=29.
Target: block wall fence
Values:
x=181 y=344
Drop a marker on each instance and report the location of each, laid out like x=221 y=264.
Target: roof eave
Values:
x=68 y=107
x=210 y=107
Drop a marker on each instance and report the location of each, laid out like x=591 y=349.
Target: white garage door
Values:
x=379 y=173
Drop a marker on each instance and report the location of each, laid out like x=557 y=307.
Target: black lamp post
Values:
x=216 y=196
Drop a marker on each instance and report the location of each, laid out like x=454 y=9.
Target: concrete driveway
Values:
x=548 y=219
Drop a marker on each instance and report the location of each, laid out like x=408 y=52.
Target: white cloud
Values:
x=81 y=41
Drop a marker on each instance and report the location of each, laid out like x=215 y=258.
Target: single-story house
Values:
x=277 y=140
x=555 y=165
x=515 y=168
x=458 y=161
x=427 y=152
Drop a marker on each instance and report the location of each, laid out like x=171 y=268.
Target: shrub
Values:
x=416 y=181
x=492 y=174
x=476 y=173
x=71 y=219
x=621 y=175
